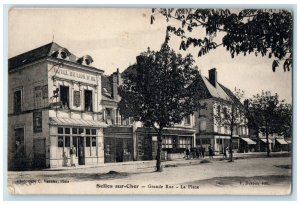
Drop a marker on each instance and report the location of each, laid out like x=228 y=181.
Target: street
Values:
x=243 y=176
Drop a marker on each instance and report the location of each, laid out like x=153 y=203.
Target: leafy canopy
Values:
x=270 y=115
x=160 y=89
x=260 y=31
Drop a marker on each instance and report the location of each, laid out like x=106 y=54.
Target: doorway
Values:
x=119 y=150
x=39 y=149
x=81 y=151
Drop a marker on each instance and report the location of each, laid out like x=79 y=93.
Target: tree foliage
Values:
x=160 y=90
x=231 y=114
x=260 y=31
x=269 y=115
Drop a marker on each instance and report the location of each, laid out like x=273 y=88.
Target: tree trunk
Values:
x=257 y=141
x=268 y=147
x=159 y=147
x=230 y=149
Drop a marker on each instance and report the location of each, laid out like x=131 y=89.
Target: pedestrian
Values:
x=210 y=152
x=224 y=153
x=187 y=153
x=197 y=153
x=72 y=154
x=203 y=151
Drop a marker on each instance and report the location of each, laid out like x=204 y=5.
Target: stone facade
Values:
x=53 y=106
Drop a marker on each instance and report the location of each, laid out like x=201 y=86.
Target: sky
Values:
x=114 y=37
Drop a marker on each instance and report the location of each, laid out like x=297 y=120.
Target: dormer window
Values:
x=62 y=53
x=85 y=60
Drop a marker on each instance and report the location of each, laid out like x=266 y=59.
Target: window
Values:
x=88 y=142
x=67 y=131
x=37 y=121
x=64 y=97
x=17 y=101
x=60 y=130
x=167 y=142
x=205 y=141
x=93 y=141
x=94 y=132
x=118 y=117
x=202 y=125
x=19 y=142
x=185 y=142
x=219 y=110
x=75 y=143
x=60 y=141
x=74 y=130
x=88 y=100
x=187 y=120
x=67 y=141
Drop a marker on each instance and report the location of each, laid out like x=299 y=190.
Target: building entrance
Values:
x=81 y=151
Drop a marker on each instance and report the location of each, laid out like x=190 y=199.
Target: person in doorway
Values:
x=73 y=154
x=210 y=152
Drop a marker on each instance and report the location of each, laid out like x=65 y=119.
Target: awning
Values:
x=265 y=141
x=76 y=122
x=281 y=141
x=248 y=140
x=289 y=141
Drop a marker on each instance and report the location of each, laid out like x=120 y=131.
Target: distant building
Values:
x=53 y=104
x=208 y=131
x=277 y=142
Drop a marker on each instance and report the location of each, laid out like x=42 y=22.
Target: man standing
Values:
x=210 y=152
x=73 y=154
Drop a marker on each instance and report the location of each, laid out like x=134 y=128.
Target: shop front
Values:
x=174 y=143
x=86 y=137
x=118 y=144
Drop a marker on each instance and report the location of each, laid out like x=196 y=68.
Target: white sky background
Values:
x=114 y=37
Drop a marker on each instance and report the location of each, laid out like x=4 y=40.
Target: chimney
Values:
x=213 y=76
x=116 y=81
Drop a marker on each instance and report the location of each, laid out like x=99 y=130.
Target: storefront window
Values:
x=88 y=142
x=93 y=141
x=67 y=141
x=60 y=130
x=60 y=141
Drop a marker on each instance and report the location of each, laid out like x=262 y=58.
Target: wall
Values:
x=27 y=79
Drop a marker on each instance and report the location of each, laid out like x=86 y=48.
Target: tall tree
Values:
x=160 y=90
x=230 y=114
x=271 y=115
x=267 y=32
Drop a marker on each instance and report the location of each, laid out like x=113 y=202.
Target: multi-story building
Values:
x=209 y=131
x=126 y=140
x=54 y=103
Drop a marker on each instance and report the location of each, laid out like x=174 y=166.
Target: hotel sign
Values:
x=74 y=74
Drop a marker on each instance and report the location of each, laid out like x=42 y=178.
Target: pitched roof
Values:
x=39 y=53
x=216 y=91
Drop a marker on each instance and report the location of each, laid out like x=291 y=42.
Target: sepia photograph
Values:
x=150 y=101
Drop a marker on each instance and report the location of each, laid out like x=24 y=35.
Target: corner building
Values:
x=54 y=103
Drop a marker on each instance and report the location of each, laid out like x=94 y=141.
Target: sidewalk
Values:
x=176 y=162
